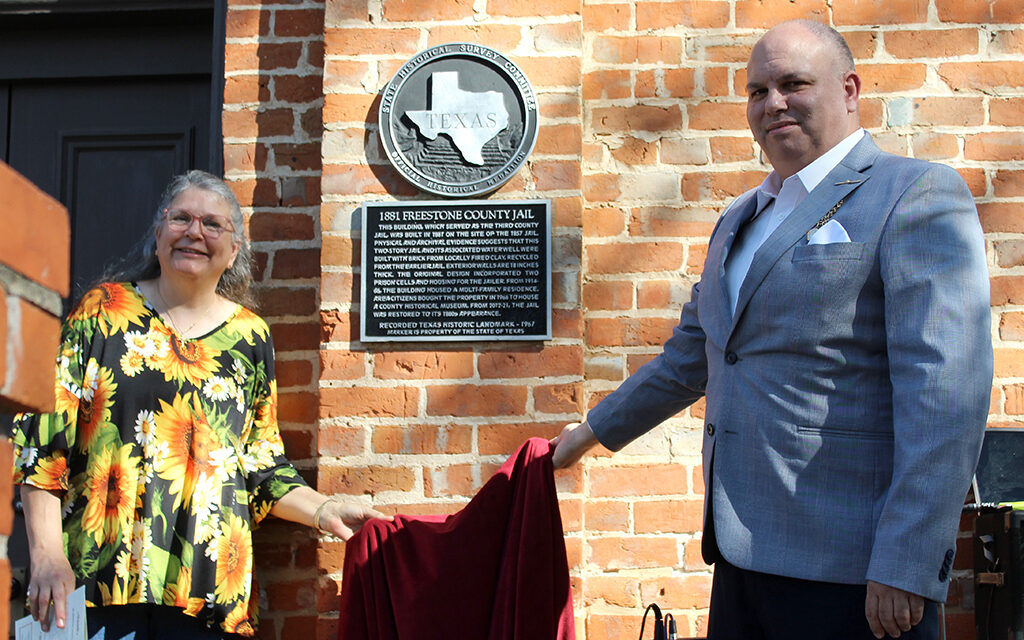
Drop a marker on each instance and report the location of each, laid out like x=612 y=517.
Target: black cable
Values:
x=659 y=626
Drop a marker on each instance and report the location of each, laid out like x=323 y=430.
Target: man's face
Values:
x=799 y=104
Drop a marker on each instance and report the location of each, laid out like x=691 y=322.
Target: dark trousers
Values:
x=747 y=605
x=148 y=622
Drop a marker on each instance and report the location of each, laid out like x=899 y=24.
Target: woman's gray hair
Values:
x=143 y=264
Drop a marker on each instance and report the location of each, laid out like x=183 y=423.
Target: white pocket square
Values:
x=829 y=233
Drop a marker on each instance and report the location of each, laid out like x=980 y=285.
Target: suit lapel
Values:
x=838 y=184
x=734 y=218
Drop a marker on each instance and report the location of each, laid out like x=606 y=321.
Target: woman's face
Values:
x=187 y=240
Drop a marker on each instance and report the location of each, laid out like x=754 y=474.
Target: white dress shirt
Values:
x=774 y=203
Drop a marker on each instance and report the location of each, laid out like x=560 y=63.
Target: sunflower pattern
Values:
x=167 y=453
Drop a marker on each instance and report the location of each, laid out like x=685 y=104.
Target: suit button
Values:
x=711 y=429
x=731 y=357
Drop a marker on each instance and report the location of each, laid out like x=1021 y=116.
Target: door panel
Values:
x=106 y=149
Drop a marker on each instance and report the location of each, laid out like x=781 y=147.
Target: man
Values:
x=841 y=334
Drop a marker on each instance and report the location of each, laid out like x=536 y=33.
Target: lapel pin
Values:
x=839 y=184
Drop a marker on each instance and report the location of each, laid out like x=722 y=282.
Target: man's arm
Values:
x=938 y=332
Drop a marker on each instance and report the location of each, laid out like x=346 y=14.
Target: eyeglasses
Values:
x=212 y=226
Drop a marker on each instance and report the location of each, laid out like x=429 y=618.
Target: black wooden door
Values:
x=102 y=103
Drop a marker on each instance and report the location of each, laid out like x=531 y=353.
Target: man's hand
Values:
x=891 y=610
x=570 y=445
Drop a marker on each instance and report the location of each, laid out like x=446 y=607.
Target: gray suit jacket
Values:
x=847 y=397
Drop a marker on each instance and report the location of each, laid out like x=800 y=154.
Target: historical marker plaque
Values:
x=456 y=270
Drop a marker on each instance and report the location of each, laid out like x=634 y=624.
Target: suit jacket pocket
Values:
x=834 y=251
x=839 y=432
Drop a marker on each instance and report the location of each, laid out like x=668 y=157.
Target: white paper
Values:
x=74 y=622
x=829 y=233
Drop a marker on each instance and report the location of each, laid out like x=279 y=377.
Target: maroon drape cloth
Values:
x=496 y=570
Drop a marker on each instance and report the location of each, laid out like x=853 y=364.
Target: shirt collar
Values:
x=811 y=175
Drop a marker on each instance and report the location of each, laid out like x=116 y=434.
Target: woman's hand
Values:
x=52 y=577
x=52 y=582
x=343 y=519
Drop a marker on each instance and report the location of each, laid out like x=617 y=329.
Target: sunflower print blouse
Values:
x=167 y=452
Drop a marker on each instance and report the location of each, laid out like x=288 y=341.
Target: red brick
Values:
x=861 y=12
x=292 y=373
x=719 y=185
x=527 y=8
x=653 y=294
x=636 y=118
x=345 y=74
x=635 y=151
x=610 y=626
x=261 y=192
x=34 y=339
x=298 y=23
x=935 y=146
x=423 y=439
x=982 y=75
x=998 y=145
x=603 y=222
x=296 y=407
x=767 y=13
x=501 y=37
x=267 y=227
x=980 y=11
x=1009 y=253
x=614 y=590
x=716 y=82
x=559 y=139
x=347 y=179
x=352 y=41
x=550 y=361
x=6 y=495
x=558 y=398
x=246 y=88
x=891 y=78
x=634 y=552
x=341 y=364
x=608 y=295
x=726 y=149
x=296 y=263
x=422 y=365
x=451 y=480
x=634 y=332
x=668 y=516
x=298 y=89
x=639 y=257
x=1008 y=183
x=607 y=84
x=247 y=23
x=421 y=10
x=504 y=439
x=550 y=71
x=1014 y=399
x=1010 y=42
x=285 y=301
x=1006 y=111
x=606 y=515
x=338 y=326
x=691 y=13
x=680 y=82
x=601 y=187
x=1001 y=217
x=296 y=336
x=42 y=257
x=656 y=479
x=681 y=152
x=364 y=480
x=1007 y=290
x=678 y=592
x=933 y=43
x=390 y=402
x=556 y=175
x=473 y=400
x=1009 y=363
x=862 y=43
x=558 y=36
x=960 y=112
x=715 y=116
x=606 y=17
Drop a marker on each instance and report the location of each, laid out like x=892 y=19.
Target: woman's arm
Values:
x=341 y=519
x=52 y=577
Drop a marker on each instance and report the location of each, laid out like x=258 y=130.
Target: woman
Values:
x=163 y=452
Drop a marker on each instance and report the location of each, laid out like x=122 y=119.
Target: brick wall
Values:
x=34 y=270
x=642 y=143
